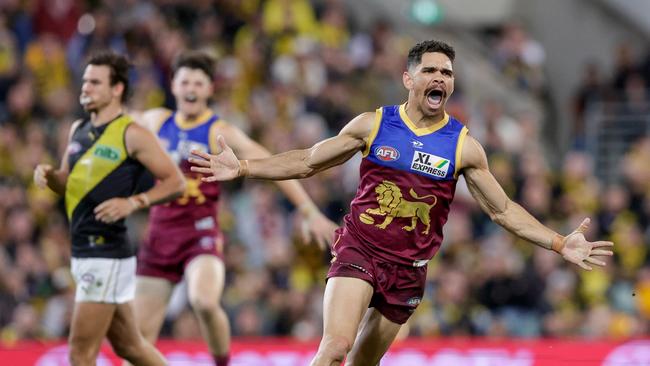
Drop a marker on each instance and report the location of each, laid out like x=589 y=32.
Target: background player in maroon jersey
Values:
x=184 y=238
x=366 y=297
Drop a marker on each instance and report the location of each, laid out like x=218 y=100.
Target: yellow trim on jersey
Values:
x=103 y=157
x=212 y=136
x=159 y=123
x=459 y=150
x=184 y=124
x=375 y=129
x=421 y=131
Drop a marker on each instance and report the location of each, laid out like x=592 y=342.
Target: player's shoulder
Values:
x=136 y=129
x=362 y=125
x=473 y=155
x=455 y=123
x=153 y=118
x=75 y=125
x=137 y=136
x=234 y=135
x=221 y=126
x=220 y=121
x=158 y=112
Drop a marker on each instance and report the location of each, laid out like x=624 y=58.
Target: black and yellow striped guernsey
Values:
x=100 y=169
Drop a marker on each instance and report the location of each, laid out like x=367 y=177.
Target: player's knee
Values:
x=334 y=348
x=205 y=306
x=129 y=351
x=79 y=356
x=82 y=350
x=149 y=333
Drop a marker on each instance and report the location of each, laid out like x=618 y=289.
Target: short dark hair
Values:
x=416 y=52
x=195 y=60
x=119 y=66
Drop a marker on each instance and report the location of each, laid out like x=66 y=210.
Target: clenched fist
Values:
x=42 y=173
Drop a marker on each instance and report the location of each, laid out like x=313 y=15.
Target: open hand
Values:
x=222 y=166
x=578 y=250
x=113 y=210
x=317 y=228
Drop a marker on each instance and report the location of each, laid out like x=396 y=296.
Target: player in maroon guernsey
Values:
x=413 y=154
x=184 y=239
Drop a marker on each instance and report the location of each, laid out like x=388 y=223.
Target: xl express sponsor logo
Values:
x=430 y=164
x=387 y=153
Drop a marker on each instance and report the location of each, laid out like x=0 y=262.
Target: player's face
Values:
x=431 y=82
x=96 y=89
x=191 y=88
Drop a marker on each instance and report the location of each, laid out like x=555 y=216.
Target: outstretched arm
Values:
x=494 y=201
x=315 y=226
x=291 y=164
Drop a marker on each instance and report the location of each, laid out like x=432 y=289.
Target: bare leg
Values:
x=375 y=336
x=345 y=302
x=205 y=276
x=150 y=305
x=127 y=341
x=90 y=322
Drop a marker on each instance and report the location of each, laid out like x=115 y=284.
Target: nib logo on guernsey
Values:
x=430 y=164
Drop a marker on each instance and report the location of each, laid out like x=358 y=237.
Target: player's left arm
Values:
x=494 y=201
x=315 y=225
x=143 y=146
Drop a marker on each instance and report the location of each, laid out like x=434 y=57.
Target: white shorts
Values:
x=104 y=279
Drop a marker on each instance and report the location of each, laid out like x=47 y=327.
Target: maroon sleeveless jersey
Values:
x=407 y=183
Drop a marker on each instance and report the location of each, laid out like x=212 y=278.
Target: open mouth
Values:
x=84 y=99
x=435 y=97
x=190 y=98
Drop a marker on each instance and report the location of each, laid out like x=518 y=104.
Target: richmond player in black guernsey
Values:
x=105 y=156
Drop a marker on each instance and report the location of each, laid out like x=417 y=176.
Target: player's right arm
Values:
x=46 y=176
x=291 y=164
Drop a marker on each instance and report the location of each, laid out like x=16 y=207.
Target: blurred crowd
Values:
x=623 y=92
x=290 y=73
x=518 y=56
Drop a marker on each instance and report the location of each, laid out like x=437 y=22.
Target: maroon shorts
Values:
x=398 y=289
x=166 y=253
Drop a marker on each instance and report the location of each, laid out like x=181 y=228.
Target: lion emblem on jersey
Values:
x=192 y=190
x=392 y=204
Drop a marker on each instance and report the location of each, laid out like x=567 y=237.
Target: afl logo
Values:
x=74 y=147
x=386 y=153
